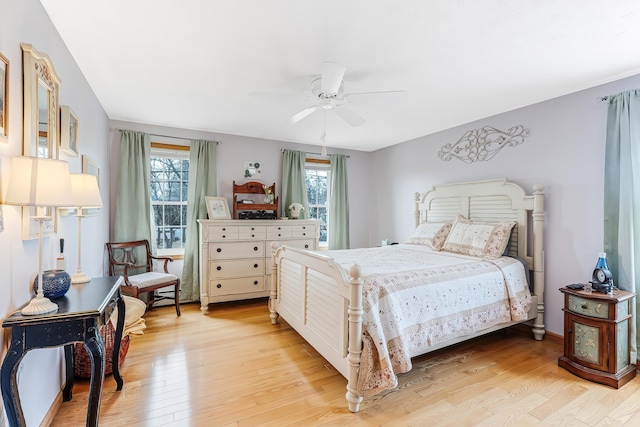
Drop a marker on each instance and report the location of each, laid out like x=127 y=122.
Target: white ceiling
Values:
x=196 y=64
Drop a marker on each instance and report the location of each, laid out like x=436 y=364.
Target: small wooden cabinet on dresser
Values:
x=235 y=255
x=596 y=336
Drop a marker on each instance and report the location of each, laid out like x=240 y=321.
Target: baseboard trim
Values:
x=523 y=327
x=53 y=410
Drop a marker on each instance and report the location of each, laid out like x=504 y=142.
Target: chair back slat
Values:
x=136 y=253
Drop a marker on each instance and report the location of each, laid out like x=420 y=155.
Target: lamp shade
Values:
x=86 y=193
x=38 y=181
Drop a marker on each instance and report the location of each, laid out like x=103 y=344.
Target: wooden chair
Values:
x=134 y=261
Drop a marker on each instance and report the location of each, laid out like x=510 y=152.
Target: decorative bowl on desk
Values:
x=56 y=283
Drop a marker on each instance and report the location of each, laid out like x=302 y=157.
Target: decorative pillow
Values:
x=432 y=234
x=481 y=239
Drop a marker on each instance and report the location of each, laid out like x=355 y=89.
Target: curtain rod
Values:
x=315 y=154
x=169 y=136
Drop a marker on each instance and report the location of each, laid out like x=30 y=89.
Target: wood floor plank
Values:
x=233 y=368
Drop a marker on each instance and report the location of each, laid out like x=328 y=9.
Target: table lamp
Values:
x=42 y=183
x=86 y=195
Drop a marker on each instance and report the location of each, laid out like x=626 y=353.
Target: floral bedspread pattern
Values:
x=414 y=298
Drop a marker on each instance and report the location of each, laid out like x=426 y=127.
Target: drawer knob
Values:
x=255 y=265
x=218 y=286
x=304 y=234
x=219 y=250
x=224 y=236
x=253 y=235
x=255 y=282
x=252 y=228
x=224 y=229
x=218 y=268
x=585 y=306
x=306 y=246
x=255 y=248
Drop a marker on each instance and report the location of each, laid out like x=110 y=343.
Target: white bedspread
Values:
x=414 y=298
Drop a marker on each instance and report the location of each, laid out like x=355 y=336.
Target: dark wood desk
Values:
x=81 y=313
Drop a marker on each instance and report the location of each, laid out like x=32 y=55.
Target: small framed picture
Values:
x=68 y=131
x=217 y=207
x=4 y=98
x=91 y=167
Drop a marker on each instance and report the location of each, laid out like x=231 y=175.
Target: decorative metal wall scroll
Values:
x=482 y=144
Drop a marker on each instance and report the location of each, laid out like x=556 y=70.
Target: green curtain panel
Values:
x=622 y=196
x=202 y=182
x=132 y=219
x=294 y=187
x=338 y=204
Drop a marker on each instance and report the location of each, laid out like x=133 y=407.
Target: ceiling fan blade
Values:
x=302 y=114
x=281 y=96
x=347 y=95
x=332 y=75
x=348 y=115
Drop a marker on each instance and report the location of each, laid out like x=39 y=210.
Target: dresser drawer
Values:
x=240 y=285
x=300 y=244
x=229 y=250
x=588 y=307
x=252 y=235
x=236 y=268
x=222 y=232
x=303 y=231
x=275 y=232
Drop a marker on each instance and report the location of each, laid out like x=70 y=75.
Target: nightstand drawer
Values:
x=587 y=307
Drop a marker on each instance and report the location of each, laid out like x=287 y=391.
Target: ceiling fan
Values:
x=327 y=91
x=327 y=95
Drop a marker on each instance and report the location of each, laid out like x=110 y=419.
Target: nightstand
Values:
x=596 y=336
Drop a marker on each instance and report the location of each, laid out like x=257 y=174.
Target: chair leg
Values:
x=176 y=296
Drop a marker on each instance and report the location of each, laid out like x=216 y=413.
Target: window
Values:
x=169 y=185
x=317 y=182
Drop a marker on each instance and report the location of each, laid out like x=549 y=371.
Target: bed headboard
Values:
x=493 y=201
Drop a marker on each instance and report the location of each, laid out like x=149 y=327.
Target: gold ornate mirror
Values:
x=40 y=104
x=40 y=135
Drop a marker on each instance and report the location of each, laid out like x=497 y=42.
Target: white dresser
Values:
x=235 y=255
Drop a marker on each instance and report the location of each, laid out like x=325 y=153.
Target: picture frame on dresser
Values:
x=4 y=98
x=217 y=207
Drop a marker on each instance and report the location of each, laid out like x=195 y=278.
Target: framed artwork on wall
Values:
x=4 y=97
x=91 y=167
x=217 y=207
x=68 y=131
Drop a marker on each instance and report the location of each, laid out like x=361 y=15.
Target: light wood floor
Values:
x=233 y=368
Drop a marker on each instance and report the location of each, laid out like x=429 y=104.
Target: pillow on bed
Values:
x=481 y=239
x=431 y=234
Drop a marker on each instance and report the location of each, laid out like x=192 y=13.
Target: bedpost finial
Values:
x=538 y=188
x=416 y=196
x=354 y=271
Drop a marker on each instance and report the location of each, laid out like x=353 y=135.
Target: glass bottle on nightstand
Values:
x=602 y=261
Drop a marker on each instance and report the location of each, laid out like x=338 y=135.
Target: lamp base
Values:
x=80 y=277
x=39 y=305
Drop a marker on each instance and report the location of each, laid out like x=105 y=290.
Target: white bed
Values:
x=332 y=298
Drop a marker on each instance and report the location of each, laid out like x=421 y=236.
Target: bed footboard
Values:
x=323 y=303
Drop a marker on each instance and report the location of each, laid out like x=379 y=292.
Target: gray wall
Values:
x=565 y=153
x=234 y=150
